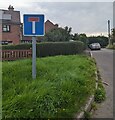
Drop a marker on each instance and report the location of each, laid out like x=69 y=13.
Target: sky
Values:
x=84 y=17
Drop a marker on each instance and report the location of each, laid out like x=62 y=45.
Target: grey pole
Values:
x=109 y=32
x=34 y=57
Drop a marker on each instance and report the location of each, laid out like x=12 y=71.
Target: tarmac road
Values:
x=104 y=60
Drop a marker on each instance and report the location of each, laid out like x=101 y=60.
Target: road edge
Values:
x=89 y=102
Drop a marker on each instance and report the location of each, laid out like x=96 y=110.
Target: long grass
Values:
x=61 y=88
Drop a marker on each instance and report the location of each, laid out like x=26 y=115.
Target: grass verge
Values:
x=100 y=94
x=111 y=47
x=61 y=88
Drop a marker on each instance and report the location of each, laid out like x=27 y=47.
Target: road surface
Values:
x=104 y=60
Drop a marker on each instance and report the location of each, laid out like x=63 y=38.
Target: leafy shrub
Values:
x=87 y=115
x=17 y=47
x=59 y=48
x=94 y=106
x=100 y=94
x=58 y=34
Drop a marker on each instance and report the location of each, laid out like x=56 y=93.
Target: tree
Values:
x=58 y=34
x=67 y=33
x=80 y=37
x=113 y=35
x=83 y=38
x=75 y=36
x=98 y=39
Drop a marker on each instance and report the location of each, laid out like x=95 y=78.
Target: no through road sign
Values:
x=33 y=25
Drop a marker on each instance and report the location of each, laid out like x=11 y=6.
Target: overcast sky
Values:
x=84 y=17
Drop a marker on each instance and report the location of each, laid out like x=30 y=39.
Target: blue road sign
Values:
x=33 y=25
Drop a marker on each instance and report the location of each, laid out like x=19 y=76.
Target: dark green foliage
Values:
x=113 y=36
x=17 y=47
x=59 y=48
x=99 y=39
x=58 y=35
x=75 y=36
x=89 y=40
x=81 y=37
x=52 y=48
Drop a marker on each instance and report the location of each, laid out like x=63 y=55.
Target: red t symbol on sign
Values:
x=33 y=20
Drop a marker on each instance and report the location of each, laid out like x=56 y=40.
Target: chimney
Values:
x=56 y=25
x=11 y=8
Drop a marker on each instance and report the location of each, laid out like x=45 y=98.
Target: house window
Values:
x=6 y=28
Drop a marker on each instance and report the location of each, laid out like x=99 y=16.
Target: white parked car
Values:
x=95 y=46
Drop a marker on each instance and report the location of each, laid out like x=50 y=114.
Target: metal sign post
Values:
x=33 y=26
x=34 y=57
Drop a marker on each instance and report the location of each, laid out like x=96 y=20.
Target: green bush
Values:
x=17 y=47
x=59 y=48
x=52 y=48
x=87 y=115
x=100 y=93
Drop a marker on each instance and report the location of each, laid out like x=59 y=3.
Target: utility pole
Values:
x=114 y=14
x=109 y=32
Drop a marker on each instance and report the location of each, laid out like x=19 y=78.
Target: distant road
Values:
x=104 y=60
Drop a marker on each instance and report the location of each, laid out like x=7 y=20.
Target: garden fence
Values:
x=15 y=54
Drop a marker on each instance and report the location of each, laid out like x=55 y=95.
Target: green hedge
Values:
x=52 y=48
x=103 y=41
x=17 y=47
